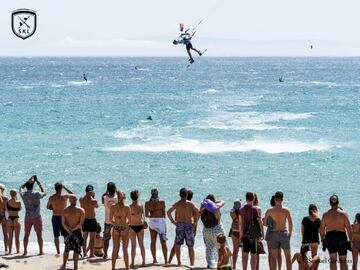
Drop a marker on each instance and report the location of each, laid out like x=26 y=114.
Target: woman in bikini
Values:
x=3 y=201
x=303 y=260
x=235 y=230
x=13 y=225
x=355 y=241
x=120 y=218
x=137 y=219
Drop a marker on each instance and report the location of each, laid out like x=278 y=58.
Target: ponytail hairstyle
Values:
x=256 y=200
x=313 y=211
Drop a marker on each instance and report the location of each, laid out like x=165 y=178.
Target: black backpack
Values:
x=208 y=219
x=254 y=228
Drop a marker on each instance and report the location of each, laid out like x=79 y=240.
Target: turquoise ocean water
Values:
x=224 y=126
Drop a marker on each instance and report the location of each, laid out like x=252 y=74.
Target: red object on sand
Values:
x=182 y=27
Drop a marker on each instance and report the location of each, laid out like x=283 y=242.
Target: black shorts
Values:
x=58 y=229
x=336 y=242
x=74 y=242
x=89 y=225
x=249 y=245
x=189 y=46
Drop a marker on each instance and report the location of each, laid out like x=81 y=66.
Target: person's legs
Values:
x=38 y=229
x=315 y=262
x=177 y=252
x=65 y=259
x=343 y=262
x=257 y=262
x=92 y=243
x=133 y=247
x=287 y=254
x=5 y=234
x=333 y=260
x=116 y=246
x=17 y=228
x=314 y=249
x=245 y=258
x=236 y=247
x=196 y=50
x=125 y=243
x=192 y=256
x=274 y=253
x=85 y=235
x=279 y=259
x=355 y=257
x=172 y=253
x=190 y=56
x=140 y=238
x=253 y=261
x=107 y=237
x=164 y=250
x=76 y=260
x=153 y=236
x=10 y=231
x=28 y=226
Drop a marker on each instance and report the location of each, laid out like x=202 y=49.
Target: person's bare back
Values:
x=155 y=209
x=57 y=203
x=89 y=204
x=185 y=211
x=280 y=216
x=335 y=220
x=73 y=216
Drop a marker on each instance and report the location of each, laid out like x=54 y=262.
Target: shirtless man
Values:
x=89 y=203
x=334 y=226
x=280 y=234
x=155 y=211
x=57 y=203
x=186 y=218
x=72 y=220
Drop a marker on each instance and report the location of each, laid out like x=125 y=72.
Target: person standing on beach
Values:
x=186 y=218
x=211 y=219
x=334 y=230
x=120 y=217
x=280 y=234
x=89 y=204
x=137 y=220
x=155 y=210
x=108 y=199
x=3 y=202
x=310 y=229
x=57 y=204
x=172 y=252
x=252 y=230
x=31 y=201
x=13 y=207
x=235 y=231
x=72 y=221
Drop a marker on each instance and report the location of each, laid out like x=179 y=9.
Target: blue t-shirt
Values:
x=32 y=203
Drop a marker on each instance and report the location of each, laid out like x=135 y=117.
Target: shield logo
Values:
x=23 y=22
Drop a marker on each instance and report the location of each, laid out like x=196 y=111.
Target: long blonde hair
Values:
x=121 y=197
x=2 y=189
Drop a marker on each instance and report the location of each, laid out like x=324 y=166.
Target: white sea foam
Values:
x=248 y=120
x=211 y=91
x=145 y=132
x=79 y=83
x=213 y=147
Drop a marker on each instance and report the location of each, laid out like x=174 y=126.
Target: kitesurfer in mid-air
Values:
x=185 y=38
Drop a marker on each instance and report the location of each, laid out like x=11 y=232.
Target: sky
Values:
x=147 y=27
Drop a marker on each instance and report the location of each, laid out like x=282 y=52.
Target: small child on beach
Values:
x=303 y=260
x=225 y=254
x=99 y=242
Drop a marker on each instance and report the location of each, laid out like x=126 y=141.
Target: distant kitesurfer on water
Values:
x=281 y=79
x=311 y=47
x=149 y=118
x=85 y=79
x=185 y=38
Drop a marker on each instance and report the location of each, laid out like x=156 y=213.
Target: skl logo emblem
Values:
x=23 y=23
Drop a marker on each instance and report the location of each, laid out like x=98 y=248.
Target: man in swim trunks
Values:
x=247 y=213
x=72 y=220
x=57 y=203
x=186 y=218
x=32 y=214
x=185 y=38
x=155 y=210
x=280 y=234
x=334 y=226
x=108 y=199
x=89 y=203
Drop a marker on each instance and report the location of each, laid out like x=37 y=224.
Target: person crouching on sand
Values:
x=72 y=220
x=186 y=218
x=99 y=242
x=224 y=260
x=303 y=261
x=89 y=203
x=120 y=218
x=155 y=210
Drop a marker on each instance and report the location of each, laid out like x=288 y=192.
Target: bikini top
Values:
x=10 y=208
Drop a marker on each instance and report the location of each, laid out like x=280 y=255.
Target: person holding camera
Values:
x=31 y=201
